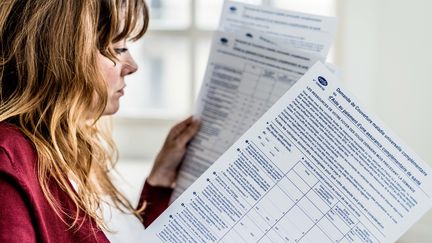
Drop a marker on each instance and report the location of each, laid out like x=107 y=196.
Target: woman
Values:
x=62 y=67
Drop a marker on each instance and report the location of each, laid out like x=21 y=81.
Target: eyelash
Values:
x=120 y=50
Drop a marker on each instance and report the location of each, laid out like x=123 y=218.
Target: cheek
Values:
x=111 y=79
x=110 y=72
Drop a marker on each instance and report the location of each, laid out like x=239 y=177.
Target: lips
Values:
x=120 y=92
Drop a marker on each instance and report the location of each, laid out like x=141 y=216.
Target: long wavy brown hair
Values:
x=52 y=89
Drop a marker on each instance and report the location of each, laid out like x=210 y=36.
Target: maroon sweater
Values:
x=26 y=216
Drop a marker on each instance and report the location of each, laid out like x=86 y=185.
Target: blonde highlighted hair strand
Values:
x=51 y=89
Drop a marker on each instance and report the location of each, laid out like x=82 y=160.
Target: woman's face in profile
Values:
x=114 y=74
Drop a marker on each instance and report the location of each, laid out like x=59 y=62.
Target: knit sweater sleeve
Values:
x=156 y=200
x=15 y=220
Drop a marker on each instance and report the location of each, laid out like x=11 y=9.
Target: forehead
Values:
x=121 y=42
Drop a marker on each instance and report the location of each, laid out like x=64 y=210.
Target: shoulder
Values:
x=11 y=136
x=17 y=154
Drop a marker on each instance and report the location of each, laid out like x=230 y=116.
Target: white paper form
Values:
x=243 y=79
x=260 y=39
x=293 y=29
x=316 y=167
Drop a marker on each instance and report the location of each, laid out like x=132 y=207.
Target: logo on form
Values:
x=322 y=81
x=233 y=9
x=224 y=41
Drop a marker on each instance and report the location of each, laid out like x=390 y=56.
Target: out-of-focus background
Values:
x=384 y=48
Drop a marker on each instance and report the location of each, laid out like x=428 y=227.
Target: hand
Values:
x=165 y=168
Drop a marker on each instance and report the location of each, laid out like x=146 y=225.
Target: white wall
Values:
x=141 y=139
x=384 y=48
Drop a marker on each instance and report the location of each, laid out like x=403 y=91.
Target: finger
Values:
x=188 y=133
x=179 y=127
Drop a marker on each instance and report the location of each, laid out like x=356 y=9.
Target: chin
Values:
x=111 y=110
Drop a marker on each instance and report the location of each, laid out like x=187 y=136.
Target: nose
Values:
x=129 y=65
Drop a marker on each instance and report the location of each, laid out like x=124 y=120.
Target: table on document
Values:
x=236 y=98
x=317 y=212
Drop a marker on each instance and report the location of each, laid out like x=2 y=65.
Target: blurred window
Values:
x=173 y=54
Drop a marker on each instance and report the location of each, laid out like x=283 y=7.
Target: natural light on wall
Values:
x=173 y=55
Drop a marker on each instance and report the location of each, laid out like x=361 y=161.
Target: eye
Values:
x=120 y=50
